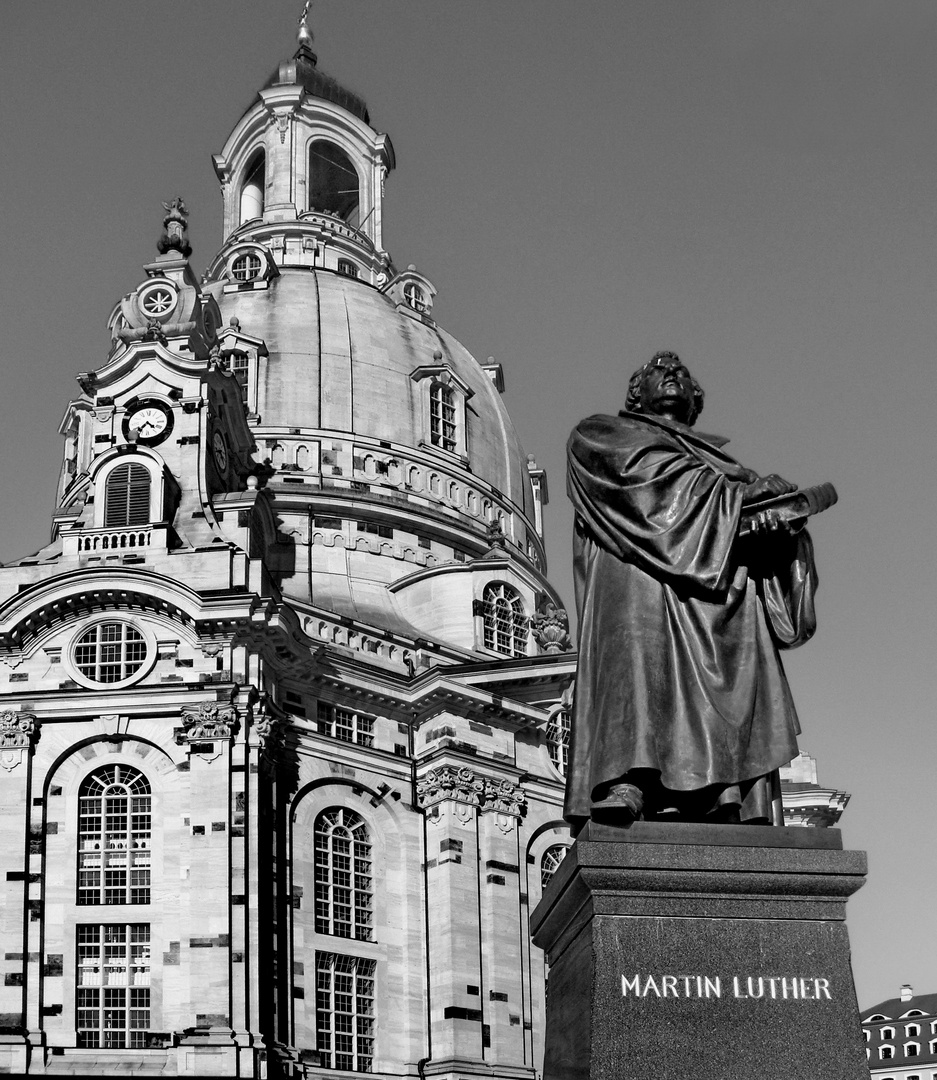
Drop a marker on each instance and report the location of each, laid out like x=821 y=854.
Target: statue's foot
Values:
x=621 y=805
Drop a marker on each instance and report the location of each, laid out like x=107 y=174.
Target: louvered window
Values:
x=127 y=496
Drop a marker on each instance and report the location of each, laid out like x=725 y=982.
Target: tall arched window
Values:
x=333 y=182
x=504 y=620
x=558 y=737
x=550 y=862
x=252 y=191
x=114 y=837
x=127 y=496
x=344 y=886
x=442 y=417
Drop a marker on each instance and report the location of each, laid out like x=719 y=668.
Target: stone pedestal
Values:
x=710 y=952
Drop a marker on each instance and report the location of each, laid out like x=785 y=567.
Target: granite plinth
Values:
x=704 y=951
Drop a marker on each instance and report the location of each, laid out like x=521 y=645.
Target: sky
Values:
x=750 y=184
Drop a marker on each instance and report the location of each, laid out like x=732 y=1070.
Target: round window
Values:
x=158 y=301
x=110 y=652
x=246 y=267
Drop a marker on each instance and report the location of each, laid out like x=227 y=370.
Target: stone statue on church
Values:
x=691 y=573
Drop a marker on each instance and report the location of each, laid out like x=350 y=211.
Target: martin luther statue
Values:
x=682 y=710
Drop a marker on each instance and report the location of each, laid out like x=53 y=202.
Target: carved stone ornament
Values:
x=266 y=724
x=446 y=782
x=550 y=628
x=17 y=731
x=504 y=797
x=175 y=225
x=464 y=786
x=207 y=722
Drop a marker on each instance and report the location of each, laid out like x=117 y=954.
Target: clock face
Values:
x=220 y=450
x=149 y=422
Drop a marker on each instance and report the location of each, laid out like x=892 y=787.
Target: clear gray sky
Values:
x=748 y=183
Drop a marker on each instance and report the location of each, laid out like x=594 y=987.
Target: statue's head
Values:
x=664 y=387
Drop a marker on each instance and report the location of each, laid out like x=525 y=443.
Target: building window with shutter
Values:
x=127 y=496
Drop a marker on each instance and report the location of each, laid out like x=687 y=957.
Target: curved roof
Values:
x=302 y=70
x=342 y=357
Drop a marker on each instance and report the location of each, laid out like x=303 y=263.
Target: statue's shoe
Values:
x=622 y=804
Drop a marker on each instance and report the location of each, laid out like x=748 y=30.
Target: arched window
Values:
x=442 y=416
x=252 y=192
x=414 y=296
x=344 y=885
x=558 y=737
x=504 y=620
x=333 y=182
x=550 y=862
x=127 y=496
x=114 y=837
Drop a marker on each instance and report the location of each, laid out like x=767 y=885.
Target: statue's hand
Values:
x=766 y=487
x=770 y=521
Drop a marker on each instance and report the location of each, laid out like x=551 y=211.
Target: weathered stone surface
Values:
x=706 y=959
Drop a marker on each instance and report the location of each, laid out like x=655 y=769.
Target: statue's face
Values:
x=667 y=390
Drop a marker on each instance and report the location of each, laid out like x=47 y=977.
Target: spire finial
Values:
x=304 y=36
x=175 y=224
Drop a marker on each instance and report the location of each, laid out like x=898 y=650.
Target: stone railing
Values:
x=132 y=540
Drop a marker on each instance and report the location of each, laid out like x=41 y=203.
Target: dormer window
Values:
x=504 y=622
x=252 y=193
x=443 y=407
x=347 y=268
x=415 y=296
x=127 y=496
x=246 y=267
x=442 y=417
x=333 y=182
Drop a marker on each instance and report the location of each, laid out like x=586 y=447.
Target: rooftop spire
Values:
x=304 y=34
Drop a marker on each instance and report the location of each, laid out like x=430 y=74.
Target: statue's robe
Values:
x=680 y=621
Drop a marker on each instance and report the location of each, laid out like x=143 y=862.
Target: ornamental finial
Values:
x=304 y=36
x=175 y=224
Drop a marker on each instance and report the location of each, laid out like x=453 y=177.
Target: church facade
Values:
x=284 y=702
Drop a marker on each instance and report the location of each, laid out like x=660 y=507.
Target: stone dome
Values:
x=342 y=357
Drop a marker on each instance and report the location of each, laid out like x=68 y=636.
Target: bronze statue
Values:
x=686 y=589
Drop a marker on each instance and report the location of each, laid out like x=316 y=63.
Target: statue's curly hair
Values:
x=633 y=400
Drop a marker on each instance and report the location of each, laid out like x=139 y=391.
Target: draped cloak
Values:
x=680 y=621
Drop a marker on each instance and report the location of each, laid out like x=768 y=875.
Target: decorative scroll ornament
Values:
x=17 y=731
x=550 y=628
x=207 y=722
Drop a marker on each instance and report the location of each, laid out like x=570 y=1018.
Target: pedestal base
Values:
x=710 y=952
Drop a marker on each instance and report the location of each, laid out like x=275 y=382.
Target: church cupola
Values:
x=303 y=173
